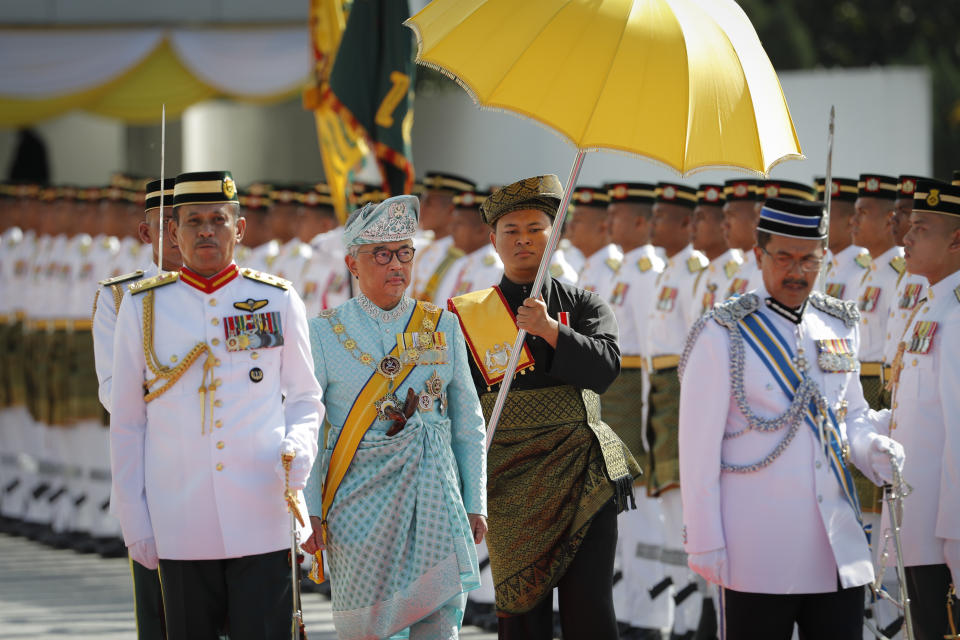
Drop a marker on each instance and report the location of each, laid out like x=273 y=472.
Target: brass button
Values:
x=218 y=424
x=219 y=466
x=914 y=362
x=254 y=355
x=925 y=309
x=218 y=381
x=215 y=341
x=864 y=320
x=217 y=362
x=218 y=403
x=213 y=302
x=896 y=405
x=215 y=321
x=888 y=336
x=220 y=445
x=173 y=358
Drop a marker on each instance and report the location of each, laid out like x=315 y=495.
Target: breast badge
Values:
x=253 y=331
x=836 y=355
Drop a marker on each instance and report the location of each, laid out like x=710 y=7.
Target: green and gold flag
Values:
x=367 y=102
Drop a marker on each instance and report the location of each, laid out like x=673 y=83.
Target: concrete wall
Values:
x=884 y=124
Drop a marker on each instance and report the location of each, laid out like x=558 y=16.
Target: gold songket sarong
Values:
x=552 y=466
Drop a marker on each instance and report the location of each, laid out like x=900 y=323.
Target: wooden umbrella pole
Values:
x=542 y=272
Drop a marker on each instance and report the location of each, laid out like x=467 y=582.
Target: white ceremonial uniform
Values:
x=561 y=269
x=263 y=257
x=336 y=287
x=476 y=270
x=425 y=263
x=10 y=416
x=199 y=474
x=292 y=262
x=912 y=290
x=750 y=271
x=641 y=534
x=572 y=255
x=926 y=421
x=720 y=280
x=844 y=271
x=599 y=271
x=673 y=310
x=876 y=297
x=787 y=527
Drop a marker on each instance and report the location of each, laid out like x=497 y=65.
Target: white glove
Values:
x=299 y=467
x=144 y=552
x=885 y=452
x=951 y=553
x=711 y=565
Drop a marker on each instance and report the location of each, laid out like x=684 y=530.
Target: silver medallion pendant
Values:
x=425 y=402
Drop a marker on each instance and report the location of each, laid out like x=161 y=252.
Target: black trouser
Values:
x=148 y=602
x=927 y=586
x=837 y=615
x=250 y=596
x=585 y=592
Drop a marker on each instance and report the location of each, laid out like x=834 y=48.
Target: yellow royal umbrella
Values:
x=683 y=82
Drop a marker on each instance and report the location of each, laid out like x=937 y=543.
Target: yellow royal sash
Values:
x=363 y=413
x=490 y=329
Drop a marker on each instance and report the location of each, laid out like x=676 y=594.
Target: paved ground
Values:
x=49 y=593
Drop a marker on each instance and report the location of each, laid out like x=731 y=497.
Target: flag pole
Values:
x=542 y=273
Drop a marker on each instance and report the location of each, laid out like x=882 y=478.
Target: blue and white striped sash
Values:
x=778 y=356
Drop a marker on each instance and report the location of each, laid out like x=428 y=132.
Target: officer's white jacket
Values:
x=876 y=296
x=210 y=491
x=787 y=527
x=600 y=270
x=477 y=270
x=633 y=294
x=425 y=263
x=104 y=325
x=673 y=309
x=926 y=421
x=843 y=273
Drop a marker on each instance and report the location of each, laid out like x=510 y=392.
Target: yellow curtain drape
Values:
x=134 y=96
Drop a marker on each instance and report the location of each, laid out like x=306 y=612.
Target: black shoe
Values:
x=111 y=548
x=55 y=539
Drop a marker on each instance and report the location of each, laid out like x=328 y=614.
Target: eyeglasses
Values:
x=785 y=262
x=385 y=256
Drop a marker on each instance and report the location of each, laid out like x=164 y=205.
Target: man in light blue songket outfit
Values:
x=400 y=489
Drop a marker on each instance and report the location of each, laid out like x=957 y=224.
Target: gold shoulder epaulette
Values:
x=695 y=264
x=956 y=293
x=613 y=263
x=644 y=264
x=133 y=275
x=556 y=270
x=489 y=260
x=151 y=283
x=864 y=260
x=731 y=268
x=899 y=264
x=265 y=278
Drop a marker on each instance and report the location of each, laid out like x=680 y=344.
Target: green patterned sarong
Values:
x=664 y=426
x=552 y=466
x=622 y=406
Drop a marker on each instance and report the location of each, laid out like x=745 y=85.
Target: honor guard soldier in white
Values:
x=926 y=411
x=740 y=227
x=589 y=231
x=480 y=267
x=721 y=278
x=845 y=263
x=435 y=259
x=771 y=416
x=637 y=600
x=212 y=382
